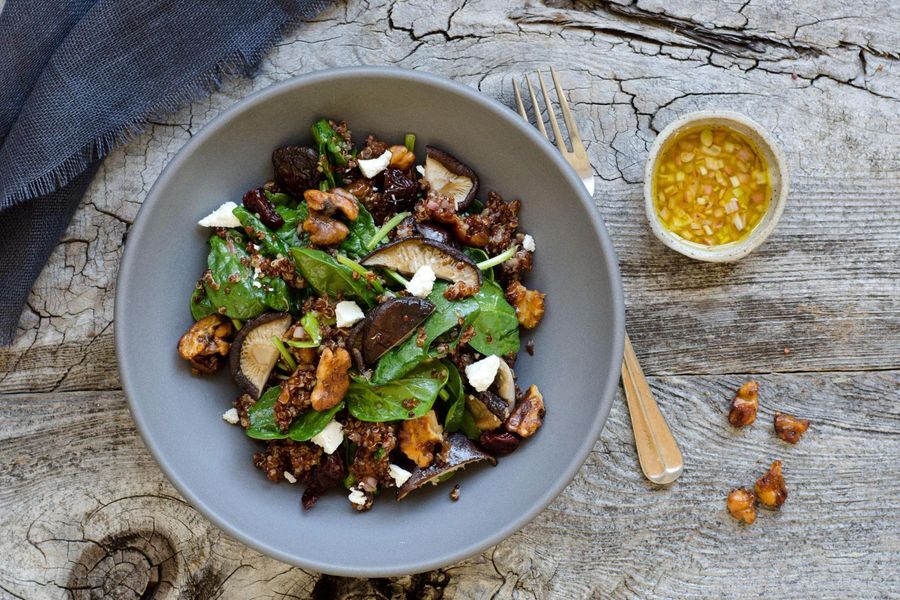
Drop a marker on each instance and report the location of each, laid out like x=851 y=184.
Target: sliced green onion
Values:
x=310 y=323
x=288 y=359
x=304 y=344
x=237 y=324
x=396 y=277
x=385 y=229
x=358 y=268
x=379 y=453
x=500 y=258
x=444 y=394
x=410 y=142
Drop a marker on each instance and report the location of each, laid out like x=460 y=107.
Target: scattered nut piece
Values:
x=485 y=420
x=323 y=230
x=206 y=344
x=529 y=304
x=742 y=505
x=332 y=380
x=744 y=405
x=418 y=438
x=329 y=202
x=770 y=488
x=454 y=493
x=790 y=428
x=526 y=416
x=401 y=157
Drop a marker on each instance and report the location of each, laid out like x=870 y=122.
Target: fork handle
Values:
x=658 y=453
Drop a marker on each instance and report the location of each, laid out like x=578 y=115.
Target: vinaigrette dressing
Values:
x=711 y=186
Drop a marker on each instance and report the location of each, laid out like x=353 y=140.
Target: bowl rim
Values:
x=734 y=250
x=606 y=393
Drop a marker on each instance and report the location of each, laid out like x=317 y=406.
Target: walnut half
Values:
x=741 y=505
x=418 y=438
x=744 y=405
x=526 y=417
x=770 y=488
x=789 y=428
x=206 y=344
x=332 y=379
x=529 y=304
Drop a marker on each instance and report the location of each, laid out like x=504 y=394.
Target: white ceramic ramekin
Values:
x=778 y=174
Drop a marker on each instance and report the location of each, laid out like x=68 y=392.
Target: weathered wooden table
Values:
x=814 y=316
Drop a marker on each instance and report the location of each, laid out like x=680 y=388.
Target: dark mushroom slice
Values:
x=354 y=344
x=406 y=256
x=296 y=169
x=253 y=355
x=435 y=233
x=449 y=177
x=390 y=323
x=462 y=452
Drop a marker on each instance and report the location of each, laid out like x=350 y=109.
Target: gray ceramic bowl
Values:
x=578 y=346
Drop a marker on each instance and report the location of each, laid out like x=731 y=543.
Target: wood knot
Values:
x=133 y=564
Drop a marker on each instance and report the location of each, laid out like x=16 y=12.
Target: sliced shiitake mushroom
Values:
x=505 y=384
x=390 y=323
x=435 y=233
x=253 y=356
x=449 y=177
x=461 y=452
x=409 y=254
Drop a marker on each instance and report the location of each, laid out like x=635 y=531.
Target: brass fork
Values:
x=657 y=450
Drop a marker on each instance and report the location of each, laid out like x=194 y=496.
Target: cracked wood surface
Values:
x=815 y=313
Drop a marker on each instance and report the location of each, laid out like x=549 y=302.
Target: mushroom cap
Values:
x=409 y=254
x=253 y=356
x=390 y=323
x=448 y=176
x=462 y=452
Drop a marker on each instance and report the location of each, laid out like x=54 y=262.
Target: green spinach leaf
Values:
x=327 y=277
x=271 y=245
x=306 y=426
x=201 y=305
x=496 y=325
x=447 y=314
x=279 y=198
x=232 y=288
x=290 y=233
x=478 y=255
x=456 y=402
x=361 y=231
x=376 y=403
x=468 y=426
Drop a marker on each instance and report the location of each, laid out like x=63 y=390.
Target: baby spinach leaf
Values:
x=376 y=403
x=361 y=231
x=279 y=198
x=447 y=315
x=456 y=401
x=496 y=325
x=264 y=427
x=327 y=277
x=478 y=255
x=201 y=305
x=289 y=233
x=271 y=245
x=232 y=288
x=468 y=426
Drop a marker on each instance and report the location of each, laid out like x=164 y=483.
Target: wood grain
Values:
x=815 y=313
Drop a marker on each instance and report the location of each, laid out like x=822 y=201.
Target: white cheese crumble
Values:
x=372 y=167
x=256 y=284
x=289 y=478
x=481 y=374
x=422 y=282
x=231 y=416
x=347 y=313
x=357 y=496
x=421 y=170
x=399 y=474
x=330 y=437
x=528 y=243
x=221 y=217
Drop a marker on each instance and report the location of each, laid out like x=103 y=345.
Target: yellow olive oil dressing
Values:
x=711 y=186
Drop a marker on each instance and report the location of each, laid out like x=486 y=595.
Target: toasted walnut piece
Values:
x=526 y=416
x=789 y=428
x=207 y=343
x=337 y=199
x=401 y=157
x=770 y=488
x=529 y=304
x=744 y=405
x=323 y=230
x=742 y=505
x=418 y=438
x=332 y=379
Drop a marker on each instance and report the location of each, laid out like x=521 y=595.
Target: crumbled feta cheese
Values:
x=422 y=282
x=357 y=496
x=330 y=437
x=256 y=284
x=289 y=478
x=528 y=243
x=399 y=474
x=421 y=170
x=231 y=416
x=221 y=217
x=372 y=167
x=348 y=312
x=481 y=374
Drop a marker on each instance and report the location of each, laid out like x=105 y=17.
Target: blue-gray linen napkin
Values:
x=78 y=77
